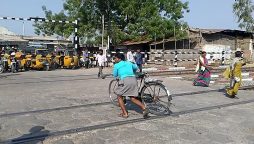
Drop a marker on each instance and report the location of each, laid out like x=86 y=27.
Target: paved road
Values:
x=72 y=106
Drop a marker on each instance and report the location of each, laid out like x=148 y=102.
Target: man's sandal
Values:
x=123 y=116
x=145 y=113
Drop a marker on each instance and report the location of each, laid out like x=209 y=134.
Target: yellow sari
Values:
x=235 y=76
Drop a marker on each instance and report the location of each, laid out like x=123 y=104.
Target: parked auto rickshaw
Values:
x=59 y=58
x=70 y=59
x=39 y=60
x=23 y=63
x=52 y=61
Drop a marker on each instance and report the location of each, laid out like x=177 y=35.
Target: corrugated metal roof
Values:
x=11 y=38
x=126 y=43
x=210 y=31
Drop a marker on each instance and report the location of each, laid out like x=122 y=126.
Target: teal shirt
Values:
x=124 y=69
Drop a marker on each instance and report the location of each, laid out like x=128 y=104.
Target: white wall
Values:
x=217 y=49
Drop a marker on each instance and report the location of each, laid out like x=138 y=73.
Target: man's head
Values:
x=203 y=53
x=238 y=54
x=118 y=57
x=138 y=50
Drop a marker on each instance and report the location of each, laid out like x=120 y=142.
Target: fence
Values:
x=181 y=56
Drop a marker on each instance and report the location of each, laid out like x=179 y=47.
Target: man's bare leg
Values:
x=138 y=102
x=122 y=106
x=142 y=106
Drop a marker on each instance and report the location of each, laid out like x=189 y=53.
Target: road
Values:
x=72 y=106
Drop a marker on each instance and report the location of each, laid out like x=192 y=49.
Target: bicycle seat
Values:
x=149 y=80
x=140 y=75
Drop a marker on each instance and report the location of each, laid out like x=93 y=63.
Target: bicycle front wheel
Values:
x=113 y=97
x=157 y=98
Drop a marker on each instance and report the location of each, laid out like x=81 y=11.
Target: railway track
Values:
x=42 y=137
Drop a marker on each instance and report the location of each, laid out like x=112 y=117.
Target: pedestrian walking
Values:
x=101 y=59
x=235 y=74
x=203 y=70
x=130 y=56
x=86 y=58
x=128 y=85
x=139 y=60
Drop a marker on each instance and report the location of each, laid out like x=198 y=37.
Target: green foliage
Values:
x=124 y=20
x=243 y=9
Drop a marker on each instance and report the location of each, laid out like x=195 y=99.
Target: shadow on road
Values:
x=36 y=135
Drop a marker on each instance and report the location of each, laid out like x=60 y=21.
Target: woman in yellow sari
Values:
x=235 y=75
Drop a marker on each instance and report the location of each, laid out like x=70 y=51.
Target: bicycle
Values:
x=152 y=93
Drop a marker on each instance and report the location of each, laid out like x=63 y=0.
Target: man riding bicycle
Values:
x=128 y=85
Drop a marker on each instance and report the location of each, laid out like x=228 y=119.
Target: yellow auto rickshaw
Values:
x=59 y=58
x=22 y=61
x=39 y=60
x=70 y=59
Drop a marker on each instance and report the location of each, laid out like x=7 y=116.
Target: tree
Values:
x=244 y=9
x=124 y=20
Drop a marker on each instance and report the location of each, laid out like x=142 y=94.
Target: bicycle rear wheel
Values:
x=157 y=98
x=113 y=97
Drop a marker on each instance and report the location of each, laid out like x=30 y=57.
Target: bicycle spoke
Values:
x=112 y=95
x=157 y=101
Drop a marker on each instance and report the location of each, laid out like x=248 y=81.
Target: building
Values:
x=9 y=39
x=210 y=40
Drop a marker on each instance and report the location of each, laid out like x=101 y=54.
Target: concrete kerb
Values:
x=216 y=77
x=183 y=70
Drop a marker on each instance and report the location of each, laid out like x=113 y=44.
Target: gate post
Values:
x=223 y=58
x=175 y=60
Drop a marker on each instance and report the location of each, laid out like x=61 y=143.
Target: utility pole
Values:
x=175 y=35
x=102 y=37
x=155 y=42
x=109 y=19
x=23 y=29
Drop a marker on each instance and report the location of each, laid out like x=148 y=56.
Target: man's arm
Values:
x=134 y=67
x=128 y=56
x=115 y=71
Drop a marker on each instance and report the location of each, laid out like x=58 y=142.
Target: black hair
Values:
x=117 y=50
x=202 y=52
x=120 y=56
x=238 y=54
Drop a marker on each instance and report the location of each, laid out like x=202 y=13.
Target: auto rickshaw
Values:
x=52 y=61
x=59 y=58
x=22 y=61
x=39 y=60
x=70 y=59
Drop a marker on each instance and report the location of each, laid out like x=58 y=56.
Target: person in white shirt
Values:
x=130 y=56
x=101 y=59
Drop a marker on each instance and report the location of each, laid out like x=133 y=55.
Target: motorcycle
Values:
x=1 y=67
x=13 y=64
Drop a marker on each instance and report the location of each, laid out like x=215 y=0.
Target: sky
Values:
x=211 y=14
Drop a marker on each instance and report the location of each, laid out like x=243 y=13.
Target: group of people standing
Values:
x=135 y=57
x=131 y=56
x=233 y=72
